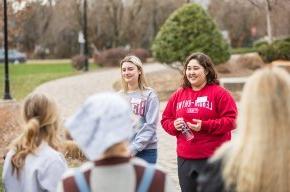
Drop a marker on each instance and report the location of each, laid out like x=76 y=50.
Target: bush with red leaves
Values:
x=110 y=57
x=143 y=54
x=78 y=62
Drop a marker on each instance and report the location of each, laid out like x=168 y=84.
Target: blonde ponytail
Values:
x=41 y=124
x=26 y=144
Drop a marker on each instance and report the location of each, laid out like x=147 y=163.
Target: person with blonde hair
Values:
x=102 y=128
x=258 y=158
x=145 y=106
x=33 y=162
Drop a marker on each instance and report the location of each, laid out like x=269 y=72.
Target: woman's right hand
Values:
x=178 y=123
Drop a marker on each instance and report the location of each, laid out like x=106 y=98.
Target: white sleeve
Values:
x=169 y=185
x=59 y=186
x=51 y=174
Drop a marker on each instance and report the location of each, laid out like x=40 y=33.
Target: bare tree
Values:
x=115 y=10
x=246 y=23
x=237 y=18
x=62 y=35
x=267 y=5
x=35 y=23
x=137 y=22
x=55 y=24
x=14 y=20
x=145 y=17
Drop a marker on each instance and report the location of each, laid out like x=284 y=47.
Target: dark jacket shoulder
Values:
x=210 y=179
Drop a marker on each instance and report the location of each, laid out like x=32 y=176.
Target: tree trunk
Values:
x=269 y=22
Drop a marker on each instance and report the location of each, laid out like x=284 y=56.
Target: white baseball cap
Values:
x=102 y=121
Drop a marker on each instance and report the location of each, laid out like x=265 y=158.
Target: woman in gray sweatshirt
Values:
x=145 y=107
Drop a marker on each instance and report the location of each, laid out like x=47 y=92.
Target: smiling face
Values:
x=130 y=73
x=195 y=74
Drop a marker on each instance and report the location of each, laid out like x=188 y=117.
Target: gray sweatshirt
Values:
x=145 y=107
x=41 y=171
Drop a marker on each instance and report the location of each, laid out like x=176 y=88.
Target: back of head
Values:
x=260 y=153
x=41 y=123
x=41 y=108
x=265 y=106
x=102 y=121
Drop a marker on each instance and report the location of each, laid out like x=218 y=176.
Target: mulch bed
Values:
x=10 y=122
x=10 y=128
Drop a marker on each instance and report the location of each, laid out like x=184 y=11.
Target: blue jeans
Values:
x=149 y=155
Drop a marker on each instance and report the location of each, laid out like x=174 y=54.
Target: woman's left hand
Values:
x=195 y=127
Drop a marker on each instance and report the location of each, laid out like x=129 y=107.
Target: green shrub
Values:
x=287 y=39
x=279 y=49
x=189 y=29
x=283 y=49
x=259 y=43
x=266 y=52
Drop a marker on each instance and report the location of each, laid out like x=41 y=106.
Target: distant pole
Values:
x=85 y=35
x=7 y=95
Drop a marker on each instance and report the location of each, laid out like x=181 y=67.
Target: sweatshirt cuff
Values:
x=133 y=149
x=173 y=130
x=205 y=125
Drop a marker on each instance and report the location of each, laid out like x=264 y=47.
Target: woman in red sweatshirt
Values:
x=206 y=109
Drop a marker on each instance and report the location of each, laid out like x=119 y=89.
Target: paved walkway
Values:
x=71 y=92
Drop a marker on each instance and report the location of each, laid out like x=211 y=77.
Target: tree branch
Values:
x=269 y=5
x=176 y=66
x=253 y=2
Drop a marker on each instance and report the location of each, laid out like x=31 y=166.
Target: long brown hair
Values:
x=142 y=83
x=41 y=123
x=206 y=62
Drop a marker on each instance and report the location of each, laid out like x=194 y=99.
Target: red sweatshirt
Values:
x=217 y=110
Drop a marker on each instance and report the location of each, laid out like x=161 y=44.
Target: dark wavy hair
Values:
x=206 y=62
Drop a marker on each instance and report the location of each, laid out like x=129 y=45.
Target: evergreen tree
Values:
x=189 y=29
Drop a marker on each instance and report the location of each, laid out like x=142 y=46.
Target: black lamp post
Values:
x=85 y=35
x=7 y=95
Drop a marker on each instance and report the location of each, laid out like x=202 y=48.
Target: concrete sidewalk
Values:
x=71 y=92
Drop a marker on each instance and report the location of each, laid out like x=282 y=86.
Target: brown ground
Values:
x=10 y=128
x=9 y=124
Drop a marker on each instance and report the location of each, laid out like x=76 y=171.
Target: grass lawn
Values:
x=25 y=77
